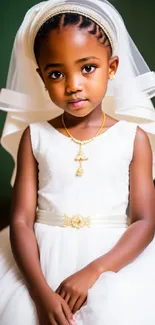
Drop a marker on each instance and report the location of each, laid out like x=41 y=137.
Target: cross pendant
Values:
x=80 y=158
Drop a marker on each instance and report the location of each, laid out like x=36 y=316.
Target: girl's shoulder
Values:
x=110 y=121
x=42 y=135
x=128 y=126
x=124 y=127
x=127 y=132
x=133 y=129
x=40 y=128
x=46 y=125
x=37 y=125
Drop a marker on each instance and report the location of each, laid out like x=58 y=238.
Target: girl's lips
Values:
x=77 y=103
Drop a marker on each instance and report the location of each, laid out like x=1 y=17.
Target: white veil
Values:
x=25 y=100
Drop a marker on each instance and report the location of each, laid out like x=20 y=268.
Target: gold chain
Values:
x=80 y=156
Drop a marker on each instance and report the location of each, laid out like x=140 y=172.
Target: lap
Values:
x=123 y=298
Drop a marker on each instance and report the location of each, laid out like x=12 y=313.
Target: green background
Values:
x=139 y=19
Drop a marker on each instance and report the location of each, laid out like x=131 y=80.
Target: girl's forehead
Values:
x=71 y=41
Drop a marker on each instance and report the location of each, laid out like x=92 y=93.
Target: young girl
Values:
x=80 y=259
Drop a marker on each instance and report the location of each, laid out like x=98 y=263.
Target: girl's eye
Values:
x=88 y=69
x=56 y=75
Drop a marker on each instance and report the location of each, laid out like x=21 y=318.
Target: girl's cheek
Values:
x=53 y=88
x=56 y=94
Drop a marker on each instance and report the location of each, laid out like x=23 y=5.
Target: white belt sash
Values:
x=78 y=221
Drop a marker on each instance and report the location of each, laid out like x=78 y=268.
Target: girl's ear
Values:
x=40 y=74
x=113 y=65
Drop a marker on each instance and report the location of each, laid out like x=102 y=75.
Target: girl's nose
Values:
x=73 y=85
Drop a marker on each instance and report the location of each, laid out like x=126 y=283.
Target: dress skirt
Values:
x=123 y=298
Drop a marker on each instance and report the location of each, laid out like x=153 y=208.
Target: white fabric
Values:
x=57 y=219
x=123 y=298
x=127 y=97
x=58 y=183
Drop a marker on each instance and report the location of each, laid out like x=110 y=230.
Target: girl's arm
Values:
x=142 y=210
x=138 y=235
x=50 y=306
x=24 y=201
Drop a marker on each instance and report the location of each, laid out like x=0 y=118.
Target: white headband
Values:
x=69 y=8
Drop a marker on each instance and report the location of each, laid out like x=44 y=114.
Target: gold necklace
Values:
x=80 y=157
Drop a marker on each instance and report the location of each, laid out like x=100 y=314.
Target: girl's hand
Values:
x=74 y=289
x=53 y=310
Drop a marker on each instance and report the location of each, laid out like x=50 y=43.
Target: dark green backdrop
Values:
x=139 y=18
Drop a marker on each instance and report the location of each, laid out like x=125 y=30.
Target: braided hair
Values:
x=69 y=19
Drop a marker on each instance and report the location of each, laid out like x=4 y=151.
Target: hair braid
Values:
x=69 y=19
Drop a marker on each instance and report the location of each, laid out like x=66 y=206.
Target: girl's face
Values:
x=75 y=68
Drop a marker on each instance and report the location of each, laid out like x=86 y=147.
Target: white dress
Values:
x=123 y=298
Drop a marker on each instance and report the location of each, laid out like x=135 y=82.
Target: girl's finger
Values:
x=68 y=314
x=67 y=297
x=62 y=293
x=58 y=290
x=72 y=301
x=62 y=320
x=79 y=303
x=53 y=322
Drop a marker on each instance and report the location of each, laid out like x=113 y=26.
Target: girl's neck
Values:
x=92 y=119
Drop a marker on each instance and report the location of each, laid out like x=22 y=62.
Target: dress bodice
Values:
x=104 y=187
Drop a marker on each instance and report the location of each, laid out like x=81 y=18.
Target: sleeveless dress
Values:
x=66 y=202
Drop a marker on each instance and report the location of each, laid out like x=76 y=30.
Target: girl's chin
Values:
x=78 y=112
